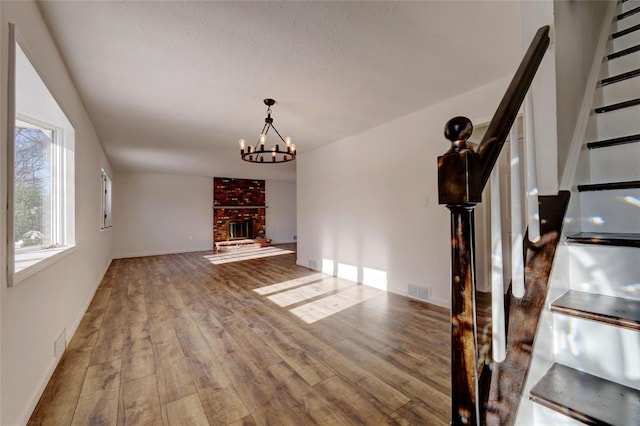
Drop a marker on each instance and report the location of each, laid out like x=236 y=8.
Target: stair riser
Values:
x=615 y=163
x=619 y=92
x=610 y=211
x=627 y=22
x=580 y=343
x=624 y=42
x=543 y=416
x=621 y=65
x=618 y=123
x=607 y=270
x=628 y=5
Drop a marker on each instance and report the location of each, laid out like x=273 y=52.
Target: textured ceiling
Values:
x=172 y=86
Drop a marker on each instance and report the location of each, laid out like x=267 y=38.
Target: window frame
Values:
x=24 y=263
x=56 y=222
x=107 y=201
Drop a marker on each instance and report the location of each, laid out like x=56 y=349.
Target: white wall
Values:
x=37 y=309
x=370 y=200
x=577 y=30
x=281 y=211
x=159 y=214
x=535 y=14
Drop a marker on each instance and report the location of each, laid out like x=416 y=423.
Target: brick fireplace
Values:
x=238 y=204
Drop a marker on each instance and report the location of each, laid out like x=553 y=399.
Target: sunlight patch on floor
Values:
x=237 y=256
x=289 y=284
x=319 y=295
x=310 y=291
x=327 y=306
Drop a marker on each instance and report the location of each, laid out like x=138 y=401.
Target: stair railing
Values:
x=462 y=176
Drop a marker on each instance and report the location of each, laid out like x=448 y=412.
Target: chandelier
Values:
x=260 y=154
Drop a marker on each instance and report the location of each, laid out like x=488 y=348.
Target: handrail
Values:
x=498 y=130
x=462 y=175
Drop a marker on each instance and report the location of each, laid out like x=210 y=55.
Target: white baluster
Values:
x=531 y=177
x=517 y=261
x=498 y=335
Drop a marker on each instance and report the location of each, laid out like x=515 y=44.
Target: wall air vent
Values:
x=419 y=293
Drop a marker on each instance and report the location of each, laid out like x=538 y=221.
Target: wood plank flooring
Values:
x=176 y=340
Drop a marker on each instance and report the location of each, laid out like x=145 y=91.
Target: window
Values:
x=40 y=171
x=105 y=221
x=34 y=190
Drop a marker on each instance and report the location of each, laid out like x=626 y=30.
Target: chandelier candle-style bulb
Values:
x=253 y=153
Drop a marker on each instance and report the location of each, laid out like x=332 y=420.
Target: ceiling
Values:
x=172 y=86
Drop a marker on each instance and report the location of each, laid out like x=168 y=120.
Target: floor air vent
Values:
x=418 y=293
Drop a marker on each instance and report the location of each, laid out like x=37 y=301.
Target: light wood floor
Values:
x=177 y=340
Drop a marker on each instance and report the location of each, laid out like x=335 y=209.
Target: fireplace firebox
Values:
x=240 y=230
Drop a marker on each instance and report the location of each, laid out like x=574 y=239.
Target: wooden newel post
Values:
x=460 y=188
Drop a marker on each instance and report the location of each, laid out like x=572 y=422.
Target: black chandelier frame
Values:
x=278 y=154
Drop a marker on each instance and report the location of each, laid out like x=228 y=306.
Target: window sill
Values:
x=29 y=263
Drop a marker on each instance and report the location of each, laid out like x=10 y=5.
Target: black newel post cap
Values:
x=459 y=169
x=458 y=130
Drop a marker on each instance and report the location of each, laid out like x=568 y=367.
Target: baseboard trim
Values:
x=162 y=252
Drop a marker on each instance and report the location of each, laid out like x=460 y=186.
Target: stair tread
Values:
x=587 y=398
x=625 y=31
x=620 y=77
x=619 y=105
x=625 y=52
x=628 y=13
x=609 y=186
x=606 y=238
x=614 y=141
x=616 y=311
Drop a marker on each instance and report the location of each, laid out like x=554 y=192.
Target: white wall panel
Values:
x=371 y=200
x=159 y=214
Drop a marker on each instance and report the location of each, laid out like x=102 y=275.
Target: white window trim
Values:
x=106 y=201
x=11 y=121
x=32 y=256
x=41 y=260
x=37 y=259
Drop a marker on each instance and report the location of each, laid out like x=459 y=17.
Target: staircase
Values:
x=596 y=376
